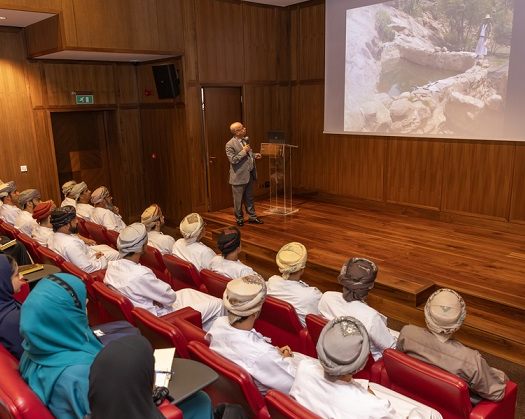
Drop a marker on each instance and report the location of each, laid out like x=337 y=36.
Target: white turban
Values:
x=66 y=187
x=191 y=226
x=445 y=312
x=150 y=216
x=291 y=258
x=244 y=296
x=28 y=195
x=99 y=194
x=7 y=188
x=132 y=239
x=78 y=189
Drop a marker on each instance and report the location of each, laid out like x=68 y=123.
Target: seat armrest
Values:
x=505 y=408
x=187 y=313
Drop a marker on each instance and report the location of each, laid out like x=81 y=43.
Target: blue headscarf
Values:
x=56 y=333
x=9 y=310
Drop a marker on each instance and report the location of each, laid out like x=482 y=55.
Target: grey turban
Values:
x=445 y=312
x=66 y=187
x=357 y=278
x=78 y=189
x=7 y=188
x=244 y=296
x=132 y=239
x=62 y=216
x=28 y=195
x=343 y=346
x=191 y=226
x=99 y=194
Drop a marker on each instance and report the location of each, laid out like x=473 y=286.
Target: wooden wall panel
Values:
x=517 y=210
x=51 y=6
x=170 y=25
x=43 y=36
x=477 y=178
x=126 y=79
x=261 y=42
x=62 y=79
x=311 y=38
x=414 y=171
x=35 y=84
x=219 y=41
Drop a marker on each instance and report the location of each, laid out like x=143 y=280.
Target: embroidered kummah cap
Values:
x=244 y=296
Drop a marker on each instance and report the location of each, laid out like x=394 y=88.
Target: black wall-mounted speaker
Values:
x=166 y=81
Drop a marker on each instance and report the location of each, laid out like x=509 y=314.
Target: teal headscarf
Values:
x=56 y=333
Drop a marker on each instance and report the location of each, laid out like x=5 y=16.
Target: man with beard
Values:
x=67 y=244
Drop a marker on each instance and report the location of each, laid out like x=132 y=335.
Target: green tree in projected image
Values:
x=463 y=18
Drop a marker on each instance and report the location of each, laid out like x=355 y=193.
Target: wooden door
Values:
x=222 y=106
x=81 y=147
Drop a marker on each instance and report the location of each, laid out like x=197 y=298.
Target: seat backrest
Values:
x=115 y=305
x=278 y=321
x=315 y=324
x=50 y=257
x=214 y=282
x=31 y=246
x=190 y=331
x=22 y=294
x=159 y=332
x=152 y=258
x=16 y=396
x=234 y=385
x=82 y=230
x=183 y=274
x=427 y=384
x=9 y=230
x=282 y=406
x=111 y=238
x=95 y=231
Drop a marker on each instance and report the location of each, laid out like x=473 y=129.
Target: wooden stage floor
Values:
x=415 y=256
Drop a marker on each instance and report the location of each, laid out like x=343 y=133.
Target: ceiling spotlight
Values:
x=3 y=18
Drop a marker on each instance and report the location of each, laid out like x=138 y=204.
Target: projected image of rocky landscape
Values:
x=428 y=67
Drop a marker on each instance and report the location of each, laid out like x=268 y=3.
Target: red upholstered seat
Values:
x=170 y=411
x=82 y=230
x=15 y=395
x=445 y=392
x=234 y=385
x=21 y=295
x=114 y=306
x=278 y=321
x=9 y=230
x=96 y=232
x=50 y=257
x=31 y=246
x=282 y=406
x=152 y=258
x=111 y=238
x=183 y=274
x=215 y=283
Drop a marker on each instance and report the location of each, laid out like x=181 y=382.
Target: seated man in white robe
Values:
x=82 y=195
x=66 y=190
x=105 y=213
x=291 y=261
x=190 y=247
x=27 y=200
x=144 y=289
x=44 y=229
x=228 y=263
x=9 y=210
x=445 y=312
x=234 y=337
x=67 y=244
x=357 y=278
x=327 y=387
x=153 y=220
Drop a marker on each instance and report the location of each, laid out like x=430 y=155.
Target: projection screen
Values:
x=426 y=68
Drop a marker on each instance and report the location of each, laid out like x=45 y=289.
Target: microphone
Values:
x=246 y=140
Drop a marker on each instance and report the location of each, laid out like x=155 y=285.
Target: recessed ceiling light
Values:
x=3 y=18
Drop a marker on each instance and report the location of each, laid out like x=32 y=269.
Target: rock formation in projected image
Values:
x=401 y=79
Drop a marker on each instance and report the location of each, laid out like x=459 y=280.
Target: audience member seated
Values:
x=327 y=388
x=234 y=337
x=291 y=261
x=121 y=383
x=10 y=283
x=445 y=312
x=144 y=289
x=59 y=347
x=228 y=263
x=44 y=229
x=82 y=195
x=27 y=200
x=9 y=210
x=357 y=278
x=68 y=245
x=190 y=248
x=105 y=213
x=153 y=220
x=68 y=198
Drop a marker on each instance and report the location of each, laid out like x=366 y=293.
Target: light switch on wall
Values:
x=23 y=168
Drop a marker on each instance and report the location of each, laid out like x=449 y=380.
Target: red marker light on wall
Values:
x=153 y=156
x=147 y=92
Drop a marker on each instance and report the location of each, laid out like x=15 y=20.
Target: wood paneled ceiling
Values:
x=282 y=3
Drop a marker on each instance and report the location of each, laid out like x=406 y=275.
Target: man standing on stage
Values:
x=242 y=173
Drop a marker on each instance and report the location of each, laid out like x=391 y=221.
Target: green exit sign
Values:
x=84 y=99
